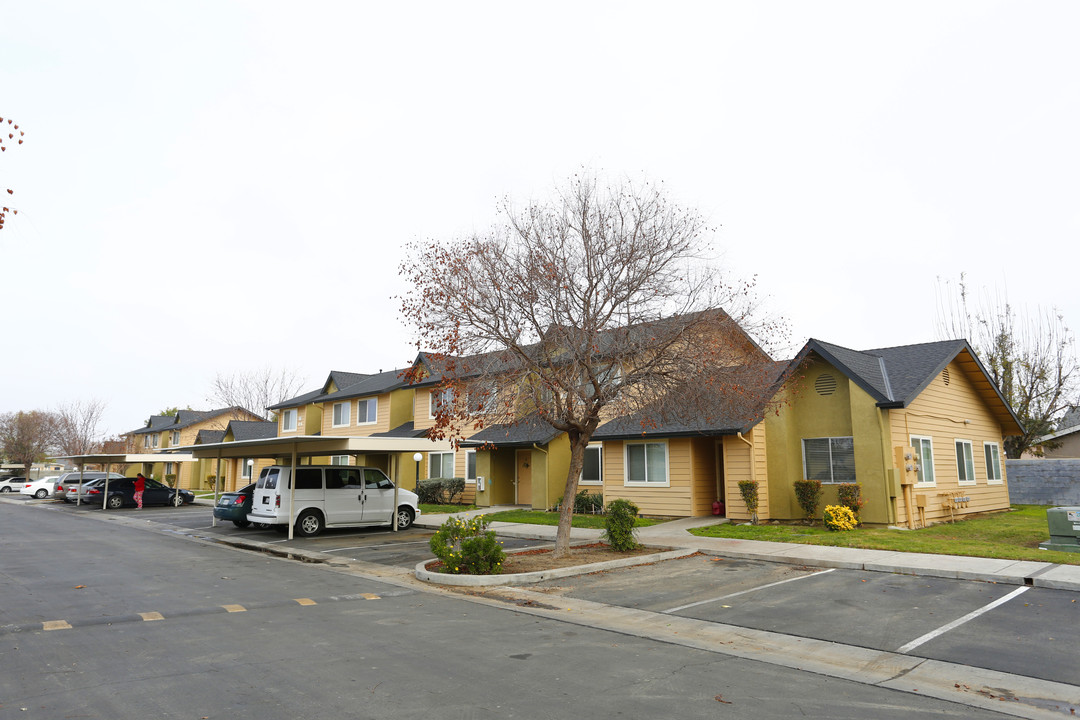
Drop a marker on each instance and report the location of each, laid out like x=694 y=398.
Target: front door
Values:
x=524 y=478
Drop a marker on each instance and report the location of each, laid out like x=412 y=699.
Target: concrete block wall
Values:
x=1044 y=482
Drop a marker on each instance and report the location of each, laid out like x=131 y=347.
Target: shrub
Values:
x=808 y=493
x=748 y=490
x=851 y=498
x=436 y=491
x=619 y=525
x=170 y=479
x=467 y=547
x=839 y=518
x=587 y=502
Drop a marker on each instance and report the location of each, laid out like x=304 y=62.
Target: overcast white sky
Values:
x=221 y=186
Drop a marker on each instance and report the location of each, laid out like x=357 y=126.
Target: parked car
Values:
x=330 y=496
x=12 y=483
x=82 y=495
x=41 y=488
x=71 y=479
x=121 y=493
x=236 y=505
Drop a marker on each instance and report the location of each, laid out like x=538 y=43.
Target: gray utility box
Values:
x=1064 y=525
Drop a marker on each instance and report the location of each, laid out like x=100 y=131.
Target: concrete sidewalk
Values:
x=675 y=534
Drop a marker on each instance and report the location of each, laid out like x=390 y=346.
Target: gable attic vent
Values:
x=945 y=376
x=825 y=384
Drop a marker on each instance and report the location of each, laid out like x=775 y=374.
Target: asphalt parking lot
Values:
x=1033 y=631
x=379 y=545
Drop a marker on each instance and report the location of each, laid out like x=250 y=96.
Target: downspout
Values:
x=753 y=473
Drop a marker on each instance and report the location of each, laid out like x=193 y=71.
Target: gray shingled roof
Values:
x=251 y=429
x=531 y=429
x=183 y=419
x=405 y=430
x=369 y=385
x=205 y=437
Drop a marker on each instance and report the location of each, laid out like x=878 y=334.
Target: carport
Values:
x=309 y=446
x=107 y=460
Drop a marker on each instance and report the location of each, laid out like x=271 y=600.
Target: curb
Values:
x=436 y=578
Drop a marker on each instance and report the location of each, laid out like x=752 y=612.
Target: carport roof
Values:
x=311 y=445
x=119 y=458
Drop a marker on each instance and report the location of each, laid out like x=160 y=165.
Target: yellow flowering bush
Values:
x=838 y=517
x=466 y=547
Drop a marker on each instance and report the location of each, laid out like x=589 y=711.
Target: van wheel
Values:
x=241 y=523
x=309 y=524
x=404 y=517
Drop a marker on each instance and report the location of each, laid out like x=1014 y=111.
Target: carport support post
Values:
x=292 y=490
x=217 y=481
x=105 y=500
x=78 y=495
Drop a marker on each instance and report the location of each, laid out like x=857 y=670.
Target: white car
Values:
x=12 y=483
x=329 y=496
x=41 y=488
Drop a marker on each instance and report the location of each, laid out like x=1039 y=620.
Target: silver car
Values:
x=70 y=481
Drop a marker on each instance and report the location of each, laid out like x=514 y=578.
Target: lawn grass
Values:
x=428 y=509
x=540 y=517
x=1011 y=535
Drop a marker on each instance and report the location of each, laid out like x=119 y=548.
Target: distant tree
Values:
x=1030 y=357
x=6 y=136
x=77 y=427
x=27 y=437
x=596 y=304
x=255 y=390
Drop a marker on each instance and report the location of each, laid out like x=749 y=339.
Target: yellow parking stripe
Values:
x=148 y=616
x=305 y=601
x=369 y=596
x=55 y=625
x=235 y=608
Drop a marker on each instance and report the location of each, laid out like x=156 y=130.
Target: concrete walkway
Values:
x=675 y=534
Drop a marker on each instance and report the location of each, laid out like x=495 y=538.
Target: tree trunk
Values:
x=578 y=443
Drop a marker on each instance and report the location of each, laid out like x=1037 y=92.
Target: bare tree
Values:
x=255 y=390
x=599 y=304
x=78 y=427
x=1031 y=358
x=27 y=437
x=6 y=136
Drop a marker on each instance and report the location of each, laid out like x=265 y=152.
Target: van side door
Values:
x=344 y=496
x=379 y=497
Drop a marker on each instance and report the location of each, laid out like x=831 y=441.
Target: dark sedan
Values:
x=235 y=506
x=122 y=494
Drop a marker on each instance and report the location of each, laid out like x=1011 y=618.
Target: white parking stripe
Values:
x=743 y=592
x=960 y=621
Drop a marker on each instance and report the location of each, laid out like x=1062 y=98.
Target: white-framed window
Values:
x=924 y=452
x=441 y=465
x=340 y=460
x=992 y=452
x=154 y=439
x=288 y=420
x=470 y=466
x=367 y=411
x=168 y=468
x=246 y=464
x=592 y=468
x=646 y=463
x=175 y=438
x=439 y=399
x=965 y=462
x=146 y=441
x=341 y=414
x=829 y=459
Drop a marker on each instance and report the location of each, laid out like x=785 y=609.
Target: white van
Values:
x=330 y=496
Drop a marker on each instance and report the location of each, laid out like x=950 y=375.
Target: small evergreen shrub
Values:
x=851 y=498
x=839 y=518
x=429 y=492
x=439 y=491
x=619 y=525
x=467 y=547
x=170 y=479
x=589 y=503
x=749 y=491
x=808 y=493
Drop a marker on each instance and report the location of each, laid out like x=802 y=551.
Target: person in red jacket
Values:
x=140 y=485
